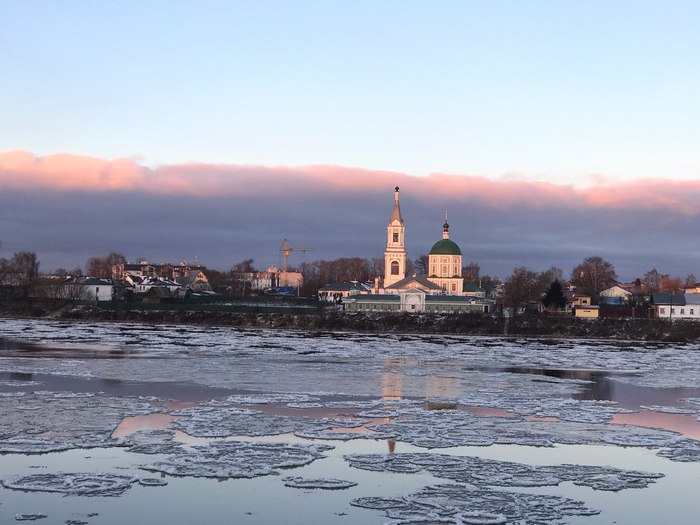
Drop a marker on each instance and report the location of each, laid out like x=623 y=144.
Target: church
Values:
x=442 y=290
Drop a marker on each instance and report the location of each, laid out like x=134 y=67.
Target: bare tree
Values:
x=652 y=280
x=20 y=273
x=520 y=288
x=102 y=267
x=420 y=265
x=594 y=275
x=668 y=284
x=470 y=273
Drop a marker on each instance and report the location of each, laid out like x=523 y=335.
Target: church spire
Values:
x=396 y=212
x=445 y=228
x=395 y=254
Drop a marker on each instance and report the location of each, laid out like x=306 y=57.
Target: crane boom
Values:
x=287 y=250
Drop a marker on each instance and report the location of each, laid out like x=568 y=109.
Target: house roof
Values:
x=677 y=299
x=472 y=287
x=160 y=292
x=692 y=298
x=93 y=281
x=373 y=298
x=349 y=286
x=615 y=291
x=445 y=247
x=421 y=280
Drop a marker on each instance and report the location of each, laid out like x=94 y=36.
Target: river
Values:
x=109 y=423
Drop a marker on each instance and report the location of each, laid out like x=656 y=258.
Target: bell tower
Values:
x=395 y=254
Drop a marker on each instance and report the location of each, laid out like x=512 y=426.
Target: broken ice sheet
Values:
x=452 y=428
x=270 y=398
x=237 y=459
x=668 y=409
x=30 y=517
x=76 y=484
x=317 y=483
x=217 y=419
x=686 y=450
x=45 y=421
x=460 y=504
x=478 y=471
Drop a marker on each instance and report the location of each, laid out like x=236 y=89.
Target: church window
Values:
x=394 y=267
x=396 y=236
x=432 y=270
x=444 y=271
x=454 y=287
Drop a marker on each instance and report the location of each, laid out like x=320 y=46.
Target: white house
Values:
x=91 y=288
x=150 y=282
x=676 y=306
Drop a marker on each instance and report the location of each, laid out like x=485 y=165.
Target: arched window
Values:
x=394 y=267
x=396 y=236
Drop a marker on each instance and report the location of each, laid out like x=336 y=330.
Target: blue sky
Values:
x=569 y=92
x=550 y=130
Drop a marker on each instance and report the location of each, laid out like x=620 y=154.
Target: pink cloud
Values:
x=22 y=170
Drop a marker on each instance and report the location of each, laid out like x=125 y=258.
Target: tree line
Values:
x=593 y=275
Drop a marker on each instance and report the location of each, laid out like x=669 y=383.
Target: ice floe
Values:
x=686 y=450
x=317 y=483
x=237 y=459
x=75 y=484
x=460 y=504
x=36 y=423
x=31 y=517
x=478 y=472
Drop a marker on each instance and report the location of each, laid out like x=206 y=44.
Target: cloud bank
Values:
x=70 y=207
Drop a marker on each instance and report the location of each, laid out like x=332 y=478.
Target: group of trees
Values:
x=590 y=277
x=523 y=286
x=18 y=274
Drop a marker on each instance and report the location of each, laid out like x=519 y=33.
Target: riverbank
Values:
x=334 y=320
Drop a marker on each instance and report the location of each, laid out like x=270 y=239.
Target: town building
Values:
x=395 y=254
x=675 y=306
x=441 y=291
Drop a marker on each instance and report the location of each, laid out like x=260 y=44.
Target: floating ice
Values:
x=77 y=484
x=318 y=483
x=668 y=409
x=271 y=398
x=685 y=450
x=37 y=423
x=152 y=482
x=237 y=459
x=30 y=517
x=459 y=504
x=451 y=428
x=479 y=472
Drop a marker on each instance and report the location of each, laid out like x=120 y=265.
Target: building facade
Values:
x=395 y=254
x=441 y=291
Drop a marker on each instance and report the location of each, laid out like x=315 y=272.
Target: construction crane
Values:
x=286 y=250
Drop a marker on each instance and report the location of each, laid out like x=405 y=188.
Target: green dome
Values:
x=445 y=247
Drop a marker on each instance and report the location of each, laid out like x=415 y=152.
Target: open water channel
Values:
x=105 y=423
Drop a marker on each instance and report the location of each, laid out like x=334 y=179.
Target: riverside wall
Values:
x=334 y=320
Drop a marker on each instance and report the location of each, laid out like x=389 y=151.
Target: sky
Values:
x=550 y=131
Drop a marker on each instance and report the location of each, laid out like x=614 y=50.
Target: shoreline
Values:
x=538 y=325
